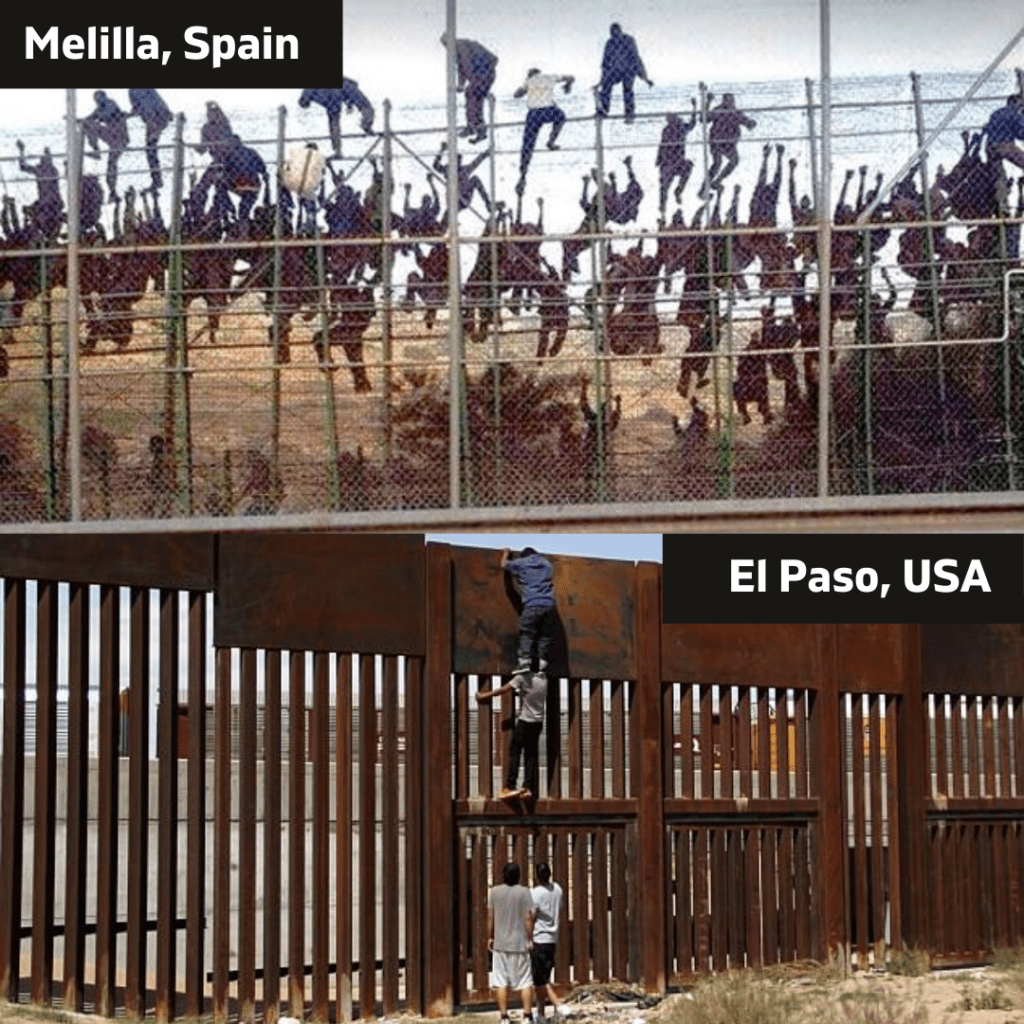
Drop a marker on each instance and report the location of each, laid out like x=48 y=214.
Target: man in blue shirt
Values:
x=532 y=574
x=1002 y=130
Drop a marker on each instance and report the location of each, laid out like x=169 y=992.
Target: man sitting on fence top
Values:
x=1002 y=130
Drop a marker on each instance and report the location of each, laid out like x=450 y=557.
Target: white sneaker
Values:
x=563 y=1011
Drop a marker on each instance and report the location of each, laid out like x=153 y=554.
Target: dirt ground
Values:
x=974 y=996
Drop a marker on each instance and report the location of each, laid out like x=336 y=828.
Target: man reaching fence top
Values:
x=541 y=109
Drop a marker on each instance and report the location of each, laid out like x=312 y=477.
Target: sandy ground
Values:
x=974 y=996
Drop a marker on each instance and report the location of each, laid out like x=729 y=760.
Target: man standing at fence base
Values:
x=510 y=937
x=547 y=904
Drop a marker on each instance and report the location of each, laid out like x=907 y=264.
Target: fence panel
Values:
x=595 y=911
x=973 y=823
x=115 y=842
x=266 y=352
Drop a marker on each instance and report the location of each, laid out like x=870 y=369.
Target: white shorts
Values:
x=511 y=970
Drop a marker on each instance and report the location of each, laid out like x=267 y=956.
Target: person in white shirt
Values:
x=539 y=91
x=547 y=906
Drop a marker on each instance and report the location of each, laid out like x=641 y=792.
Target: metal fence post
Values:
x=455 y=340
x=495 y=301
x=330 y=411
x=275 y=302
x=933 y=278
x=387 y=285
x=825 y=259
x=74 y=416
x=602 y=367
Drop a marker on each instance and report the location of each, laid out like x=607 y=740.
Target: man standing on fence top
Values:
x=510 y=937
x=477 y=69
x=620 y=62
x=156 y=116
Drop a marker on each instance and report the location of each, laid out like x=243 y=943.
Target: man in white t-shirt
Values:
x=541 y=109
x=547 y=906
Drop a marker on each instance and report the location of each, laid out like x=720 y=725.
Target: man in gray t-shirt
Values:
x=510 y=936
x=532 y=691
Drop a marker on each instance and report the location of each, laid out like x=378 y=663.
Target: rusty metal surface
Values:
x=973 y=659
x=763 y=655
x=296 y=837
x=321 y=592
x=44 y=844
x=183 y=561
x=596 y=600
x=107 y=857
x=12 y=786
x=140 y=688
x=76 y=844
x=272 y=827
x=870 y=658
x=247 y=840
x=624 y=811
x=195 y=884
x=320 y=837
x=167 y=853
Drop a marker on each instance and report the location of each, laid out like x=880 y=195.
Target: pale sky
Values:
x=722 y=41
x=392 y=48
x=634 y=547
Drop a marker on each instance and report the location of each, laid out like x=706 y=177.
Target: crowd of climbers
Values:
x=235 y=199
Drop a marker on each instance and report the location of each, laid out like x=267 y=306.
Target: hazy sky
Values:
x=636 y=547
x=392 y=47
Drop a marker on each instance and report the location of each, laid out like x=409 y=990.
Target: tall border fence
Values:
x=275 y=791
x=274 y=341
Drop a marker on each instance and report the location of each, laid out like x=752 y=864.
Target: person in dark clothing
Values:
x=107 y=123
x=671 y=160
x=469 y=183
x=477 y=69
x=1002 y=130
x=723 y=136
x=46 y=213
x=156 y=116
x=532 y=575
x=332 y=100
x=216 y=136
x=621 y=63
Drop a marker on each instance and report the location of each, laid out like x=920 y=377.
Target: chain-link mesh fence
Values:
x=262 y=330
